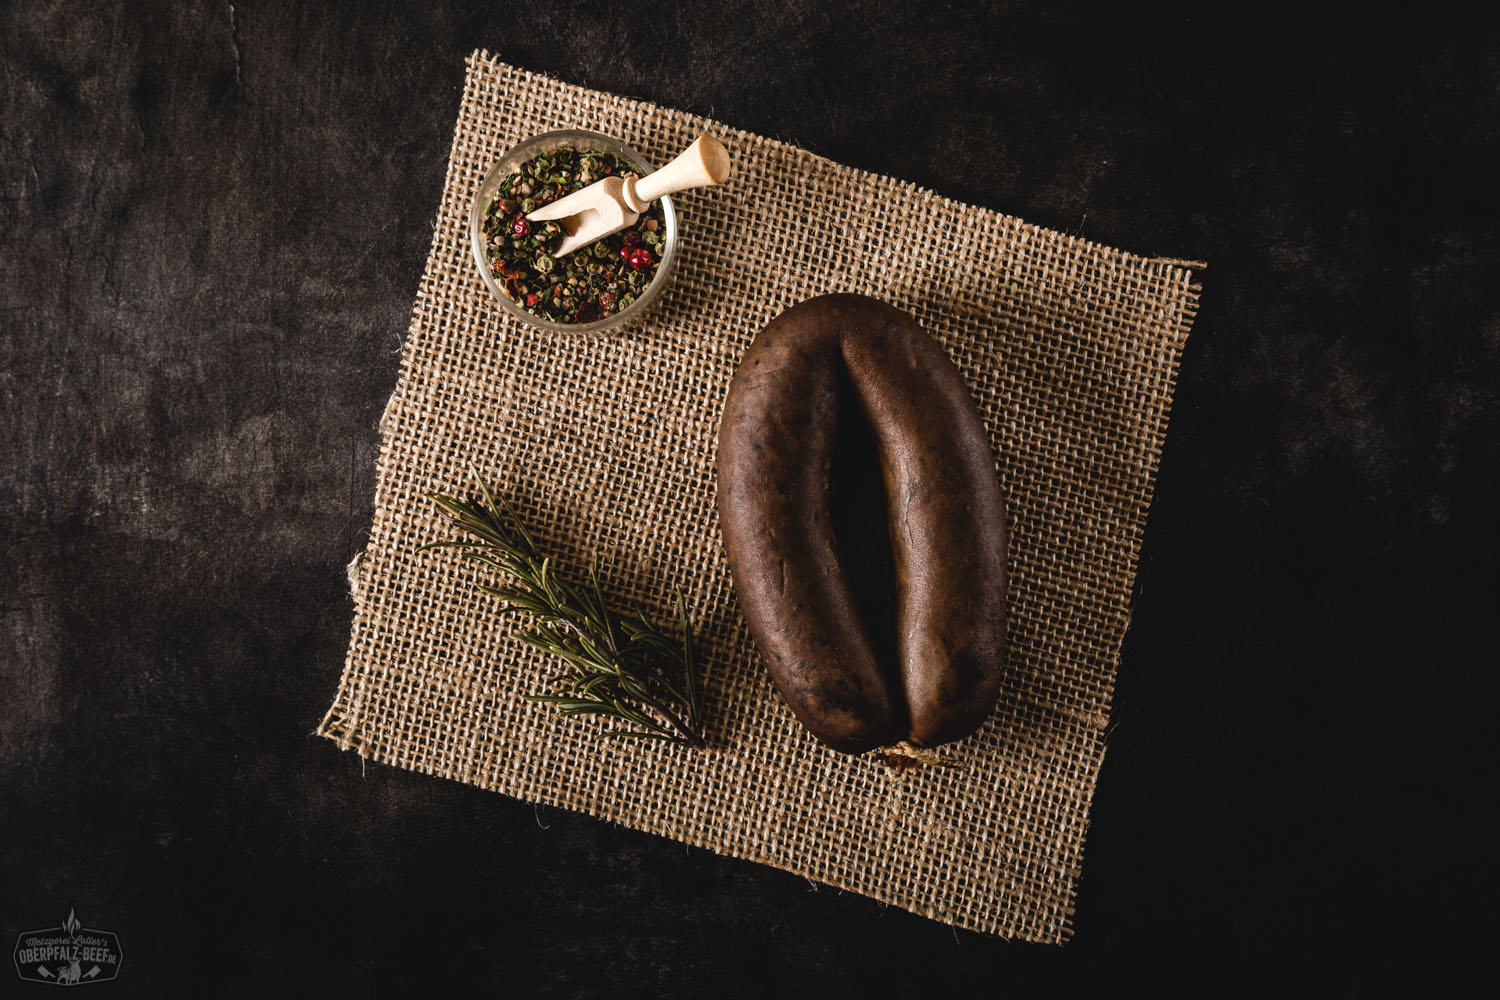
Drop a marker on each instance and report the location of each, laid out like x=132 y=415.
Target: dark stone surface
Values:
x=214 y=218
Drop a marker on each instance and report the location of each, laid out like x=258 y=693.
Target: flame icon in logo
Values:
x=72 y=924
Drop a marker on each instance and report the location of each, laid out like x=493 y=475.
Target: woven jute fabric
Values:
x=606 y=444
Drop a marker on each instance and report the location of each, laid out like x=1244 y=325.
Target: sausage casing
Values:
x=944 y=509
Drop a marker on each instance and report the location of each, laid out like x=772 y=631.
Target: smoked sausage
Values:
x=943 y=505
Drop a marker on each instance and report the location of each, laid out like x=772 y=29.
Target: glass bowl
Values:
x=544 y=143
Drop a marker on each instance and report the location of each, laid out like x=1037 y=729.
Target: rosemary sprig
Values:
x=619 y=666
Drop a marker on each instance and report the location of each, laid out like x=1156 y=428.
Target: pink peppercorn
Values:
x=520 y=227
x=640 y=258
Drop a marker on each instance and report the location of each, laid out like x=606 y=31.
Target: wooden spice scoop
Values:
x=610 y=205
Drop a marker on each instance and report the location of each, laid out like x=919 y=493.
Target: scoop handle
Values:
x=703 y=163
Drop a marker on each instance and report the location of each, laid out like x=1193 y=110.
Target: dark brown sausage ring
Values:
x=947 y=526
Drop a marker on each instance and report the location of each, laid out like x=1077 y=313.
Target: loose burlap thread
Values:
x=606 y=444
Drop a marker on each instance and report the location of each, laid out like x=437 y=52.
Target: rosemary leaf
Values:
x=624 y=668
x=636 y=734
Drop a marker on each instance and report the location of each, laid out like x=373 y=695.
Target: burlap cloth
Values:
x=606 y=443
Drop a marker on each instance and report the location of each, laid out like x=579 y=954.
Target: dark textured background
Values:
x=214 y=220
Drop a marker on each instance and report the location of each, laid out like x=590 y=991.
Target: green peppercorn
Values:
x=580 y=287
